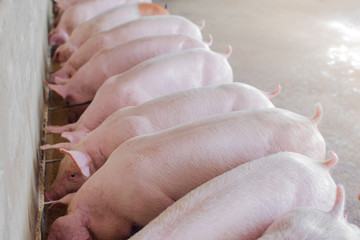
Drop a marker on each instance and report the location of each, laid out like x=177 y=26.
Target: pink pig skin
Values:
x=113 y=61
x=156 y=115
x=177 y=71
x=314 y=224
x=81 y=12
x=168 y=72
x=105 y=21
x=143 y=27
x=125 y=191
x=242 y=202
x=62 y=5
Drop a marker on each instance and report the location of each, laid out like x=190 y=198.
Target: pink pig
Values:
x=314 y=224
x=113 y=61
x=81 y=12
x=242 y=202
x=188 y=68
x=158 y=114
x=105 y=21
x=147 y=173
x=185 y=70
x=143 y=27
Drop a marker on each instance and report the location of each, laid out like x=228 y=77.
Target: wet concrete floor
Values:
x=312 y=49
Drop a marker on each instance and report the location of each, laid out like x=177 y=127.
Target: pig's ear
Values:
x=64 y=201
x=62 y=90
x=60 y=129
x=65 y=145
x=338 y=209
x=60 y=80
x=81 y=159
x=75 y=136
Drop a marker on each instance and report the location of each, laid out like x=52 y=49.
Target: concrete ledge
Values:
x=23 y=56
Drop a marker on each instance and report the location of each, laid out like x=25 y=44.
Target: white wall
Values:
x=23 y=51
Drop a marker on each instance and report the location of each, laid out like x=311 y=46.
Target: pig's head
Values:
x=69 y=227
x=75 y=136
x=74 y=170
x=309 y=223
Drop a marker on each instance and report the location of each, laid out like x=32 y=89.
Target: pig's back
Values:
x=139 y=50
x=203 y=149
x=107 y=20
x=178 y=71
x=241 y=203
x=154 y=25
x=188 y=105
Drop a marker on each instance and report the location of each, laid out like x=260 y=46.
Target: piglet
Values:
x=139 y=85
x=243 y=202
x=147 y=173
x=143 y=27
x=81 y=12
x=309 y=223
x=185 y=69
x=105 y=21
x=113 y=61
x=158 y=114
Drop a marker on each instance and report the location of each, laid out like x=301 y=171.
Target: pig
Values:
x=158 y=114
x=309 y=223
x=242 y=202
x=105 y=21
x=267 y=131
x=81 y=12
x=125 y=90
x=144 y=176
x=113 y=61
x=188 y=68
x=143 y=27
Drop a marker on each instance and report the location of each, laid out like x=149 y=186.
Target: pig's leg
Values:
x=60 y=129
x=65 y=145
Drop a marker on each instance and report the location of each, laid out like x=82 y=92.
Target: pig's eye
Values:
x=72 y=175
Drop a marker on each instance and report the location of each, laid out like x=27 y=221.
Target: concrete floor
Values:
x=311 y=48
x=308 y=47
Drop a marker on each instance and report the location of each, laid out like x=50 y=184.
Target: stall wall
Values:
x=23 y=54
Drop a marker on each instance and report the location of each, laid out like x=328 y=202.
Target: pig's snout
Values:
x=51 y=195
x=55 y=192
